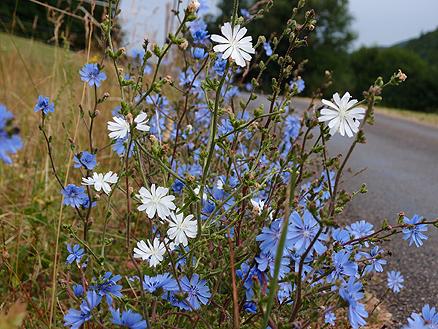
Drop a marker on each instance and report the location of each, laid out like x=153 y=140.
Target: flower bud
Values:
x=401 y=76
x=228 y=109
x=168 y=79
x=129 y=118
x=183 y=45
x=193 y=6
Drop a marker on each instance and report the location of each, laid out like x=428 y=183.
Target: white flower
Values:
x=197 y=190
x=153 y=253
x=181 y=228
x=220 y=184
x=234 y=44
x=258 y=205
x=342 y=115
x=101 y=181
x=170 y=244
x=156 y=201
x=141 y=122
x=119 y=128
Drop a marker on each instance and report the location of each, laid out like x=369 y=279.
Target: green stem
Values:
x=279 y=254
x=212 y=140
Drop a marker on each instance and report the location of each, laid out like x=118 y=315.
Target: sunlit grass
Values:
x=30 y=198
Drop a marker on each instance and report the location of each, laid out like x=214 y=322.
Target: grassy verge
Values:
x=430 y=119
x=29 y=197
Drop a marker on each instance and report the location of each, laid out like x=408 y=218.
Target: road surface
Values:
x=401 y=162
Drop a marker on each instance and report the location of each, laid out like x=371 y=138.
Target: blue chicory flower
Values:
x=330 y=318
x=428 y=319
x=219 y=65
x=343 y=266
x=197 y=290
x=360 y=229
x=76 y=318
x=74 y=196
x=75 y=253
x=267 y=47
x=270 y=237
x=284 y=294
x=266 y=261
x=395 y=281
x=245 y=13
x=303 y=229
x=107 y=286
x=250 y=307
x=44 y=105
x=161 y=281
x=128 y=319
x=292 y=126
x=352 y=294
x=298 y=84
x=85 y=159
x=10 y=141
x=78 y=290
x=198 y=30
x=413 y=233
x=199 y=53
x=374 y=260
x=91 y=74
x=136 y=53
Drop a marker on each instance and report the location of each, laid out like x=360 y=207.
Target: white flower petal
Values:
x=240 y=33
x=227 y=31
x=218 y=38
x=221 y=48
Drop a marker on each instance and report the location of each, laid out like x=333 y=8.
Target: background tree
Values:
x=68 y=25
x=419 y=90
x=328 y=44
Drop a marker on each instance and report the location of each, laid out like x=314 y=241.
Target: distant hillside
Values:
x=426 y=46
x=418 y=58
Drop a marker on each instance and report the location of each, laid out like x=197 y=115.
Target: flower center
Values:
x=342 y=113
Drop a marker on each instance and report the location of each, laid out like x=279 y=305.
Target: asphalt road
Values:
x=400 y=160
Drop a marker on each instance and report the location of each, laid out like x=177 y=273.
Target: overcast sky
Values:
x=385 y=22
x=377 y=22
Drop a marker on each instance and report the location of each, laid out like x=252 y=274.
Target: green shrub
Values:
x=417 y=93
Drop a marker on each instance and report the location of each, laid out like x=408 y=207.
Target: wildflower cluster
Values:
x=218 y=211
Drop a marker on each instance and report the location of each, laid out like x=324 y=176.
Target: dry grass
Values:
x=29 y=197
